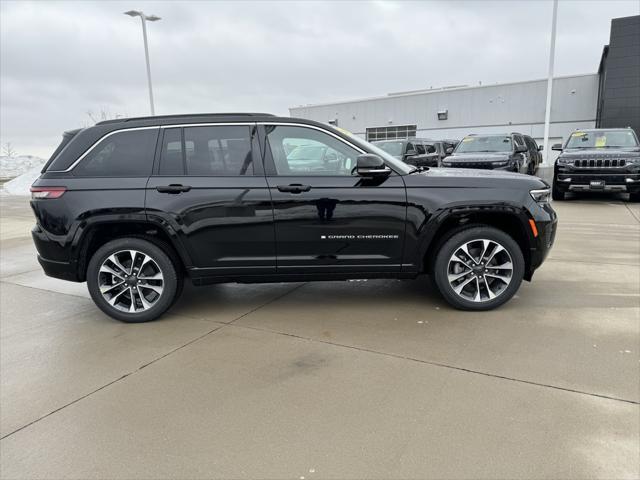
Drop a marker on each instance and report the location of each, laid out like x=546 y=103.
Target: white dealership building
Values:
x=453 y=112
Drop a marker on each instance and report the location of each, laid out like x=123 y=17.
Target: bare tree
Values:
x=8 y=150
x=102 y=115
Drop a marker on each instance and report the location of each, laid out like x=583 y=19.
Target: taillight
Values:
x=47 y=192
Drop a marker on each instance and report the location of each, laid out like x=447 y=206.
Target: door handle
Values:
x=173 y=188
x=294 y=188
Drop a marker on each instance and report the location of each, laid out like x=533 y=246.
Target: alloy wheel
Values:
x=480 y=270
x=130 y=281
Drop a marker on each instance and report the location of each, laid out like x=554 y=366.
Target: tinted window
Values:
x=171 y=160
x=123 y=154
x=531 y=144
x=519 y=141
x=410 y=147
x=306 y=151
x=420 y=149
x=218 y=151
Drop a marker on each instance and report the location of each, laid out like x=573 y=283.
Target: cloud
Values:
x=59 y=60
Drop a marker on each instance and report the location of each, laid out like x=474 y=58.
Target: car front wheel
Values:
x=479 y=268
x=132 y=280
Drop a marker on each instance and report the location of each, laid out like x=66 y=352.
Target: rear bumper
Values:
x=61 y=270
x=52 y=257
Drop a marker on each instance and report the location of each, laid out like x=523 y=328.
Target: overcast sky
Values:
x=60 y=60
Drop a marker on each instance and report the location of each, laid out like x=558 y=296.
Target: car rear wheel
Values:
x=132 y=280
x=479 y=268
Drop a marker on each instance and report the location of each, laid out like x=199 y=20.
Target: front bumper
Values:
x=546 y=221
x=568 y=178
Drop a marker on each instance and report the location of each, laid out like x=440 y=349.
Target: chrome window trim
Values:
x=182 y=125
x=94 y=144
x=313 y=127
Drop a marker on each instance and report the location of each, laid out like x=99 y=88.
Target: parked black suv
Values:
x=509 y=151
x=419 y=152
x=133 y=206
x=605 y=160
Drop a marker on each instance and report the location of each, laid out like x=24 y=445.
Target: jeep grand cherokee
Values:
x=605 y=160
x=513 y=152
x=134 y=206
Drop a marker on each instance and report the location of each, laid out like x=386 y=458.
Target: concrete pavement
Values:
x=363 y=379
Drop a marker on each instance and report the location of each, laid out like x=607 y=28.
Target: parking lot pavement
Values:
x=357 y=379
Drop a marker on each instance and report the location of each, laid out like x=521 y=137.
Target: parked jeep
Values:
x=135 y=206
x=513 y=152
x=604 y=160
x=419 y=152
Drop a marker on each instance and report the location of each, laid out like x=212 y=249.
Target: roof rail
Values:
x=184 y=115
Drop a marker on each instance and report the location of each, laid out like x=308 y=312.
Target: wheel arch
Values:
x=96 y=233
x=511 y=220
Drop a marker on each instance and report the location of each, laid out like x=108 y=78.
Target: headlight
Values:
x=541 y=196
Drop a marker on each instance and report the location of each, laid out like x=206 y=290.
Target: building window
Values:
x=391 y=133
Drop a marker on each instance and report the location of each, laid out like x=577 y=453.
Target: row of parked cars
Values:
x=600 y=159
x=512 y=152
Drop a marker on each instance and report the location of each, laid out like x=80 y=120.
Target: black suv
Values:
x=509 y=151
x=134 y=206
x=605 y=160
x=419 y=152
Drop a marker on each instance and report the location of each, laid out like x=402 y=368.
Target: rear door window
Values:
x=218 y=150
x=128 y=153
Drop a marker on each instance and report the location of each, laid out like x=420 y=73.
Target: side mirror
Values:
x=521 y=149
x=540 y=148
x=449 y=151
x=371 y=165
x=556 y=146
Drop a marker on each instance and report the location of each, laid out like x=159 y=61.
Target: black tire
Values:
x=172 y=280
x=634 y=197
x=441 y=267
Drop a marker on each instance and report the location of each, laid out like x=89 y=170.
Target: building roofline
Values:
x=436 y=90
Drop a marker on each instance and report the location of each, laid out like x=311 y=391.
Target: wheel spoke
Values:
x=456 y=276
x=465 y=249
x=155 y=276
x=485 y=245
x=155 y=288
x=489 y=291
x=461 y=286
x=107 y=288
x=106 y=269
x=477 y=297
x=458 y=258
x=145 y=304
x=132 y=307
x=113 y=299
x=504 y=266
x=498 y=249
x=499 y=277
x=113 y=259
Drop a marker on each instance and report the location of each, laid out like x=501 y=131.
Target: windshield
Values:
x=602 y=139
x=309 y=152
x=392 y=148
x=490 y=143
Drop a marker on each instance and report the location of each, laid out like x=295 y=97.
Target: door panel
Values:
x=328 y=220
x=222 y=214
x=341 y=224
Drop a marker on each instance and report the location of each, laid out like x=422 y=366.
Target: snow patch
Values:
x=21 y=184
x=11 y=167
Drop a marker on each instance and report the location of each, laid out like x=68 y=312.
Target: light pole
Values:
x=144 y=18
x=546 y=161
